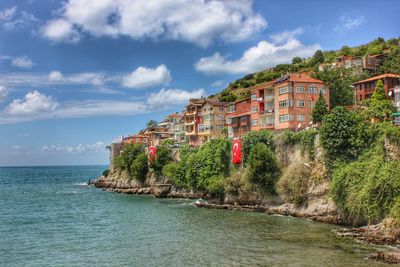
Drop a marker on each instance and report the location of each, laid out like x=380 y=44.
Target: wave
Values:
x=81 y=184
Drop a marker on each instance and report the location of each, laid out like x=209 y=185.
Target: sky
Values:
x=76 y=74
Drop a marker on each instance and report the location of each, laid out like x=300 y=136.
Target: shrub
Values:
x=262 y=168
x=106 y=172
x=395 y=210
x=367 y=188
x=304 y=138
x=343 y=134
x=139 y=167
x=252 y=138
x=320 y=110
x=163 y=157
x=176 y=173
x=128 y=154
x=293 y=184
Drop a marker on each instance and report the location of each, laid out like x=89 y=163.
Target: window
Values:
x=254 y=109
x=286 y=117
x=231 y=108
x=285 y=89
x=206 y=118
x=301 y=117
x=228 y=120
x=221 y=109
x=219 y=127
x=312 y=104
x=137 y=140
x=312 y=89
x=145 y=140
x=323 y=90
x=300 y=89
x=286 y=103
x=301 y=103
x=254 y=122
x=253 y=97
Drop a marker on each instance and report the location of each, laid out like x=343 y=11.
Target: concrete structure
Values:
x=365 y=88
x=238 y=118
x=212 y=120
x=156 y=135
x=286 y=103
x=192 y=120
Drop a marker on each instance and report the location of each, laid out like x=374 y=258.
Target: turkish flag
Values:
x=312 y=97
x=236 y=153
x=152 y=153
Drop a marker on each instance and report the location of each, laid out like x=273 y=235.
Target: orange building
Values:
x=365 y=88
x=286 y=103
x=136 y=139
x=238 y=118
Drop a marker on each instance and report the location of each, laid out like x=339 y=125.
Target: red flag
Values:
x=236 y=153
x=152 y=153
x=312 y=97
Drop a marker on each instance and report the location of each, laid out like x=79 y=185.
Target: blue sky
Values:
x=75 y=74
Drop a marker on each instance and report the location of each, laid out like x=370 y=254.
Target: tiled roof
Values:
x=383 y=76
x=298 y=78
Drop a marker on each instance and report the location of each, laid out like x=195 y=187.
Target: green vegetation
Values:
x=106 y=172
x=379 y=107
x=262 y=168
x=252 y=138
x=293 y=184
x=133 y=159
x=139 y=167
x=320 y=109
x=163 y=157
x=304 y=138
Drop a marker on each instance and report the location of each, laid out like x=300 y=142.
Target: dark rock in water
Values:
x=160 y=190
x=387 y=257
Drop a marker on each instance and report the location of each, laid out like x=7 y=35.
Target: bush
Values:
x=366 y=189
x=176 y=173
x=252 y=138
x=128 y=154
x=106 y=172
x=262 y=168
x=293 y=184
x=344 y=135
x=163 y=157
x=139 y=167
x=304 y=138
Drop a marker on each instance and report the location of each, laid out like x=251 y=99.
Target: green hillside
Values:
x=339 y=79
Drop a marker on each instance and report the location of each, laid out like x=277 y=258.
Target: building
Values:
x=369 y=62
x=192 y=120
x=238 y=118
x=211 y=120
x=179 y=131
x=157 y=135
x=138 y=138
x=286 y=103
x=396 y=115
x=262 y=107
x=365 y=88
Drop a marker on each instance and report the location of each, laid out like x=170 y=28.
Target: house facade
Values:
x=192 y=119
x=238 y=118
x=286 y=103
x=139 y=138
x=365 y=88
x=212 y=120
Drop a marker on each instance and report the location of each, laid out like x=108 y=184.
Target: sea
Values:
x=50 y=217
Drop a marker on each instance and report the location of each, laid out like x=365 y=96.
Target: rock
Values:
x=160 y=190
x=387 y=257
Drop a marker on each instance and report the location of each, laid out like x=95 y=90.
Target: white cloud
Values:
x=346 y=23
x=78 y=149
x=33 y=103
x=218 y=83
x=195 y=21
x=37 y=106
x=60 y=30
x=10 y=20
x=146 y=77
x=170 y=97
x=3 y=92
x=55 y=76
x=282 y=49
x=23 y=62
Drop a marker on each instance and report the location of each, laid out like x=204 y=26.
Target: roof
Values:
x=262 y=85
x=237 y=101
x=295 y=77
x=383 y=76
x=238 y=114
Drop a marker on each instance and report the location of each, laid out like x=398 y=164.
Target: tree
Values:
x=339 y=81
x=318 y=57
x=297 y=60
x=379 y=106
x=392 y=62
x=139 y=167
x=262 y=168
x=151 y=123
x=252 y=138
x=163 y=157
x=129 y=153
x=320 y=109
x=343 y=134
x=227 y=96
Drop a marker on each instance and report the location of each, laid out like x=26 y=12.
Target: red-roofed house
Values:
x=365 y=88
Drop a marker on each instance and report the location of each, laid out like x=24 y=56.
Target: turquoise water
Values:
x=49 y=217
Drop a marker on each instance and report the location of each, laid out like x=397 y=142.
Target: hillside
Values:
x=339 y=80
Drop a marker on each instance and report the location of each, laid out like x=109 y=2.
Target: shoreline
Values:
x=374 y=234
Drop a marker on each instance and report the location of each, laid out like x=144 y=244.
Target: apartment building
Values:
x=192 y=120
x=365 y=88
x=286 y=103
x=262 y=102
x=238 y=118
x=212 y=120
